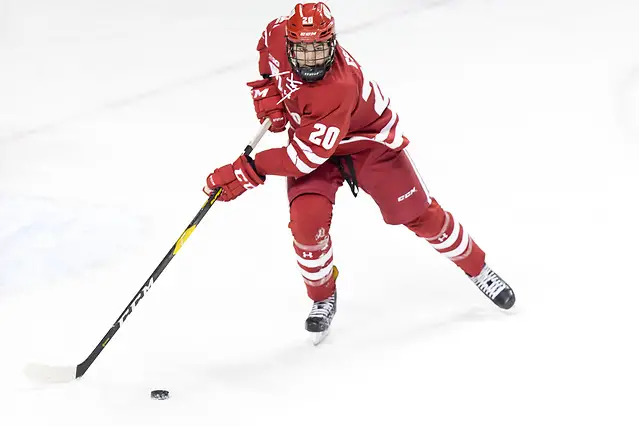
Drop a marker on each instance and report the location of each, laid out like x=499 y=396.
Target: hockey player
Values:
x=340 y=128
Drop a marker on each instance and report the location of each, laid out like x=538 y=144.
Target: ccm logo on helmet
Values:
x=308 y=34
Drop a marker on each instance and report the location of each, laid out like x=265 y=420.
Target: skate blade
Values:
x=317 y=338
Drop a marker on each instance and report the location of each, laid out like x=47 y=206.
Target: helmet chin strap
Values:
x=311 y=74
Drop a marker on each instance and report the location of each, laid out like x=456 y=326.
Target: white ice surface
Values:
x=524 y=122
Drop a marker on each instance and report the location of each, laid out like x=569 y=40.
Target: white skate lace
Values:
x=489 y=282
x=322 y=308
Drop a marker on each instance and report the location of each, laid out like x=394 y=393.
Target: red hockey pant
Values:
x=390 y=178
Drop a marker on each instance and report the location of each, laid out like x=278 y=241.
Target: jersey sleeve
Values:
x=317 y=137
x=262 y=46
x=262 y=50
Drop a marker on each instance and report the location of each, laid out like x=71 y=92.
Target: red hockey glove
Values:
x=234 y=179
x=266 y=100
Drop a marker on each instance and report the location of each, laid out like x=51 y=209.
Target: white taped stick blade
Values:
x=49 y=374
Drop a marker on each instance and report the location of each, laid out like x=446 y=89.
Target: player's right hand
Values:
x=267 y=103
x=234 y=179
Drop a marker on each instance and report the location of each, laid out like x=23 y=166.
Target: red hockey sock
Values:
x=316 y=265
x=310 y=222
x=448 y=237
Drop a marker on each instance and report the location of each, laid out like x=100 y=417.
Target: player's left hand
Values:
x=268 y=103
x=235 y=179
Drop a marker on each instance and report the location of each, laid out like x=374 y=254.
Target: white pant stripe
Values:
x=419 y=176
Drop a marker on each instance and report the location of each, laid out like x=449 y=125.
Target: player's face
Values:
x=311 y=54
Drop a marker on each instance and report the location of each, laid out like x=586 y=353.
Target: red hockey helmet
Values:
x=310 y=40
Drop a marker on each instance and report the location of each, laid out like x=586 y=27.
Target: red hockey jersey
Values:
x=341 y=114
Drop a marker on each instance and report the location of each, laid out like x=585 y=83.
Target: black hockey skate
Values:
x=321 y=315
x=494 y=288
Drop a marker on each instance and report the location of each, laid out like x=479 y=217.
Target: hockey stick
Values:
x=58 y=374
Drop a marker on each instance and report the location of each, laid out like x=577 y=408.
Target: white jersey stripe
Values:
x=308 y=152
x=398 y=140
x=301 y=165
x=383 y=135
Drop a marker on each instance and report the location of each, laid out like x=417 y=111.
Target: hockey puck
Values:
x=160 y=394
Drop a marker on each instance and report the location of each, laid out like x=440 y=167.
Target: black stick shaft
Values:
x=84 y=366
